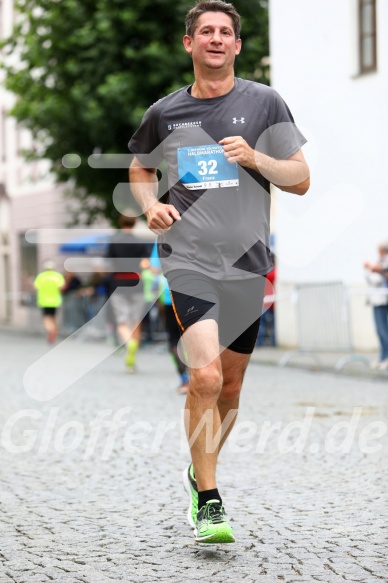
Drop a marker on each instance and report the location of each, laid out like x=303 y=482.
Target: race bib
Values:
x=203 y=167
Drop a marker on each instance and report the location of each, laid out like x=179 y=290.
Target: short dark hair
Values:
x=212 y=6
x=127 y=219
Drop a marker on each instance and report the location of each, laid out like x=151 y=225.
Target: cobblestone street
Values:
x=91 y=485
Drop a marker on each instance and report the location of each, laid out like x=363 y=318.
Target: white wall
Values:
x=327 y=234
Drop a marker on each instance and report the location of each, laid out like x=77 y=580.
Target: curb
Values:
x=363 y=372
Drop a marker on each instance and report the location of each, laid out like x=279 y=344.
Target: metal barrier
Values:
x=77 y=310
x=323 y=322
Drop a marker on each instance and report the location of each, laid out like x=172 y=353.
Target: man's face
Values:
x=214 y=44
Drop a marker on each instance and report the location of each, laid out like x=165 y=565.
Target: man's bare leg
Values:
x=132 y=340
x=214 y=391
x=201 y=344
x=126 y=334
x=212 y=399
x=234 y=366
x=50 y=325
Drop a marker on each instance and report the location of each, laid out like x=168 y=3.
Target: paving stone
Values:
x=104 y=513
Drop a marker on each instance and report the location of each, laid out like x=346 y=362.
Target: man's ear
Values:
x=187 y=43
x=238 y=46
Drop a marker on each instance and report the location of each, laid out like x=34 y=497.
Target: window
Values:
x=367 y=35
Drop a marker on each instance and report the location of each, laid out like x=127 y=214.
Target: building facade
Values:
x=329 y=61
x=29 y=199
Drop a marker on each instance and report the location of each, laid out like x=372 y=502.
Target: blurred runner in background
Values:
x=49 y=284
x=126 y=287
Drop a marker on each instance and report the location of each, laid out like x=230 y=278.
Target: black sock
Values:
x=207 y=495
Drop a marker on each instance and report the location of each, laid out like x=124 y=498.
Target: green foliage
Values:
x=90 y=68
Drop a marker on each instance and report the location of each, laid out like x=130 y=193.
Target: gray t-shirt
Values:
x=225 y=208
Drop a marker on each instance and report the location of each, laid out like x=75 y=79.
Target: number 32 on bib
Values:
x=203 y=167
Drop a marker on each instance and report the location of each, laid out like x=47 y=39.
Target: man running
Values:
x=49 y=284
x=126 y=287
x=224 y=140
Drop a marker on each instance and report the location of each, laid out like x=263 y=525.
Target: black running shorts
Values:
x=49 y=311
x=235 y=305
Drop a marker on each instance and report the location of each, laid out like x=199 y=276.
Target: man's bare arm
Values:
x=376 y=268
x=144 y=186
x=291 y=175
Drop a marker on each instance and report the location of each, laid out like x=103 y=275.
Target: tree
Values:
x=88 y=69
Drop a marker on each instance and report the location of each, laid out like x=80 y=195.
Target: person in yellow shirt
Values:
x=48 y=285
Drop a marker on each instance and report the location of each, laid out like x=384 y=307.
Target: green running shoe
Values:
x=212 y=526
x=130 y=355
x=190 y=486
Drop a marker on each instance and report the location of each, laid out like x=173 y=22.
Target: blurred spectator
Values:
x=72 y=310
x=150 y=290
x=126 y=287
x=48 y=284
x=266 y=334
x=377 y=278
x=96 y=292
x=72 y=283
x=171 y=324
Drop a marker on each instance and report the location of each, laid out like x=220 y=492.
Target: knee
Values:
x=206 y=383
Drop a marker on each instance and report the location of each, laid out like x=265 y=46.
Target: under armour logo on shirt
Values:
x=242 y=120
